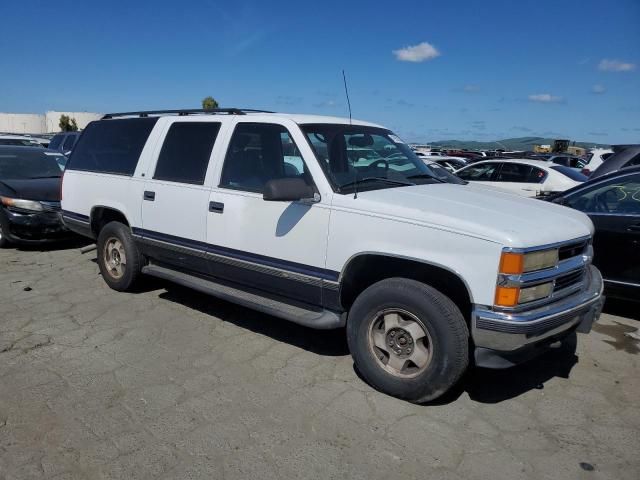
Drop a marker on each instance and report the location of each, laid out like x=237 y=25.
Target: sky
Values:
x=429 y=70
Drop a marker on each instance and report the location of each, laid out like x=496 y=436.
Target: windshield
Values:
x=369 y=158
x=28 y=164
x=570 y=172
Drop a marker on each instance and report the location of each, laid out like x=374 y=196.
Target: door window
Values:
x=260 y=152
x=520 y=173
x=619 y=196
x=480 y=173
x=69 y=142
x=186 y=152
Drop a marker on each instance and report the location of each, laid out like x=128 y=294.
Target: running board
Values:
x=300 y=313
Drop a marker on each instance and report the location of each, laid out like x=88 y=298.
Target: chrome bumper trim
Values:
x=509 y=331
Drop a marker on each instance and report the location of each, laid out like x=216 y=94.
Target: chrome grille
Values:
x=572 y=249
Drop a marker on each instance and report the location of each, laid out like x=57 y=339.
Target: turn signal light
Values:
x=512 y=263
x=507 y=296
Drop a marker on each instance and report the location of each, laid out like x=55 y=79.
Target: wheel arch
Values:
x=101 y=215
x=364 y=269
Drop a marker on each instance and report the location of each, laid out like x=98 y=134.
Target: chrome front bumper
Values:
x=510 y=332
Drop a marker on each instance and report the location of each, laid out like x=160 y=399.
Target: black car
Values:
x=29 y=196
x=623 y=156
x=613 y=204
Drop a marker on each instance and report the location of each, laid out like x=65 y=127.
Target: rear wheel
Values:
x=407 y=339
x=119 y=260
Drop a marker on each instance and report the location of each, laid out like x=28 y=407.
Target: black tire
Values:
x=4 y=241
x=116 y=236
x=446 y=338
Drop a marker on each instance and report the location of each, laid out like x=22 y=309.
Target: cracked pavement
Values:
x=169 y=383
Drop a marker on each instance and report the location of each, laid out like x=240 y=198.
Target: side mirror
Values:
x=288 y=190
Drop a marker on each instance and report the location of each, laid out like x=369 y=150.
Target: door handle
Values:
x=216 y=207
x=150 y=196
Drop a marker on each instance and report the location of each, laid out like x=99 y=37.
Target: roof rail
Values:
x=190 y=111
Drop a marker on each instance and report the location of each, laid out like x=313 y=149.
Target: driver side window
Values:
x=620 y=196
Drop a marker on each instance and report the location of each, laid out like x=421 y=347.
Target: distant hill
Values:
x=519 y=143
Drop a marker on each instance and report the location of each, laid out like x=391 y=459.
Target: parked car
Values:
x=623 y=156
x=530 y=178
x=613 y=204
x=596 y=157
x=421 y=267
x=452 y=164
x=29 y=196
x=64 y=142
x=576 y=163
x=18 y=141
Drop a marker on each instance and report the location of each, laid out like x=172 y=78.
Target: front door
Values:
x=278 y=247
x=614 y=208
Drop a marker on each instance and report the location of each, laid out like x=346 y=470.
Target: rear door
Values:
x=614 y=208
x=521 y=178
x=176 y=195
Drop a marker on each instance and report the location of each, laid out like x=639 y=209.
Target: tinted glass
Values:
x=111 y=146
x=520 y=173
x=479 y=173
x=69 y=142
x=617 y=196
x=186 y=151
x=571 y=173
x=56 y=141
x=259 y=153
x=17 y=164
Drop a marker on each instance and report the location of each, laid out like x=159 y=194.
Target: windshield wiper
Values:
x=426 y=175
x=376 y=179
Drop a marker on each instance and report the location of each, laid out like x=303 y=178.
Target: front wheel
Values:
x=119 y=260
x=407 y=339
x=4 y=241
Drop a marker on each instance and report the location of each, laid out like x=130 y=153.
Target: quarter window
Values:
x=69 y=142
x=186 y=152
x=261 y=152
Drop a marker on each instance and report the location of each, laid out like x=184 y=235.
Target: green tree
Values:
x=209 y=103
x=68 y=124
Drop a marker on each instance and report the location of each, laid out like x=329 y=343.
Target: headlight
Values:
x=518 y=263
x=19 y=204
x=514 y=296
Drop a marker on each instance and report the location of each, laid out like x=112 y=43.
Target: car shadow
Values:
x=53 y=246
x=331 y=343
x=481 y=384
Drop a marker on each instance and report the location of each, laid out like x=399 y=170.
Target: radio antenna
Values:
x=346 y=92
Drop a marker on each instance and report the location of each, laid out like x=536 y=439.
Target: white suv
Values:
x=327 y=222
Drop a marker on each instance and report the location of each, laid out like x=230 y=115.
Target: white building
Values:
x=38 y=124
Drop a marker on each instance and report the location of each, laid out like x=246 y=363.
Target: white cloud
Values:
x=598 y=89
x=471 y=88
x=545 y=98
x=615 y=66
x=417 y=53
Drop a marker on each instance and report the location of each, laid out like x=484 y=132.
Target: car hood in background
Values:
x=43 y=189
x=474 y=210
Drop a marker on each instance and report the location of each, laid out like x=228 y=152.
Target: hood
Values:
x=474 y=210
x=42 y=189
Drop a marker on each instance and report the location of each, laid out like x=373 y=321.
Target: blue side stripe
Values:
x=241 y=255
x=75 y=216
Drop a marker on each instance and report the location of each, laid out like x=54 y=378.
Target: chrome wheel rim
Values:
x=400 y=343
x=115 y=258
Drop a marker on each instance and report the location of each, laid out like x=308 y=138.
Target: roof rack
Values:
x=209 y=111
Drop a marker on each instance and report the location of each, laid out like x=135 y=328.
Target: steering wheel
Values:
x=380 y=162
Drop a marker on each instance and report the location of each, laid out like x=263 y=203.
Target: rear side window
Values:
x=520 y=173
x=69 y=142
x=111 y=146
x=482 y=172
x=56 y=141
x=186 y=151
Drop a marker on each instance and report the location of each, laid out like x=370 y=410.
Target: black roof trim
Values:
x=184 y=112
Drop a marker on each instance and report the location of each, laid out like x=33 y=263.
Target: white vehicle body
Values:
x=309 y=251
x=598 y=157
x=19 y=140
x=546 y=180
